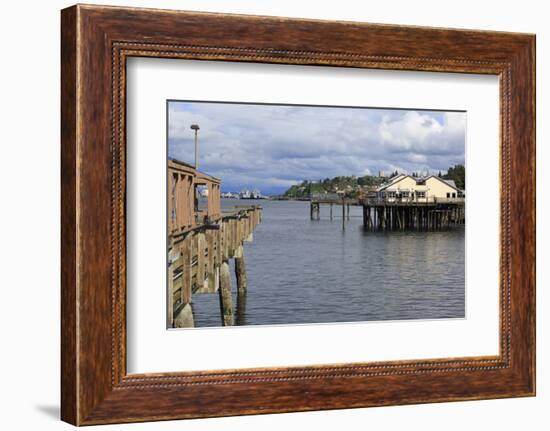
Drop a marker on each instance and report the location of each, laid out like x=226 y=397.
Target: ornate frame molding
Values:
x=96 y=41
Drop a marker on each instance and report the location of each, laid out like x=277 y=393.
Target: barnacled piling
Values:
x=240 y=271
x=226 y=306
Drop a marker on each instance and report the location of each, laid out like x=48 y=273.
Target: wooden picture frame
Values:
x=95 y=43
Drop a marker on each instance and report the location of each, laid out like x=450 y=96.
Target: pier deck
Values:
x=435 y=214
x=395 y=214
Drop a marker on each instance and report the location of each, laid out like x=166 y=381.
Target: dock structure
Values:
x=394 y=214
x=200 y=243
x=390 y=213
x=403 y=202
x=332 y=200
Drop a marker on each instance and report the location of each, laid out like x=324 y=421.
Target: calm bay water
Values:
x=303 y=271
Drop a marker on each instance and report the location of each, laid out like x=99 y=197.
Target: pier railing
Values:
x=183 y=204
x=430 y=200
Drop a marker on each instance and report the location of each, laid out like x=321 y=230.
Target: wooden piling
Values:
x=226 y=307
x=170 y=297
x=211 y=253
x=411 y=216
x=218 y=245
x=234 y=228
x=186 y=273
x=343 y=213
x=184 y=318
x=315 y=210
x=201 y=247
x=240 y=273
x=240 y=312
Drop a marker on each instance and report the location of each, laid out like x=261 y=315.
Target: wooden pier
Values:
x=200 y=243
x=433 y=214
x=389 y=214
x=332 y=200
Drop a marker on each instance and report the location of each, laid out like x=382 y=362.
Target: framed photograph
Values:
x=264 y=214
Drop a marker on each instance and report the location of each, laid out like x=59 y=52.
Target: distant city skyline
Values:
x=272 y=147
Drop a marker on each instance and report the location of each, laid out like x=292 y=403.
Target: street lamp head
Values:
x=195 y=127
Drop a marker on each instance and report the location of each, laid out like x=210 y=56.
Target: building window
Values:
x=391 y=194
x=454 y=195
x=420 y=194
x=448 y=195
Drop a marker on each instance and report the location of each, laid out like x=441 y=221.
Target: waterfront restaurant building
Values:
x=406 y=188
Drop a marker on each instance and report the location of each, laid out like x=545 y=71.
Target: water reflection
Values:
x=303 y=271
x=240 y=311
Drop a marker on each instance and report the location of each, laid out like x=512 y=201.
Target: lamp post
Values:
x=196 y=128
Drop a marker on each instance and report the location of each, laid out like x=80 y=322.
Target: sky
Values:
x=271 y=147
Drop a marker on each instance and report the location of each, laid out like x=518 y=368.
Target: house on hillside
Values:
x=406 y=188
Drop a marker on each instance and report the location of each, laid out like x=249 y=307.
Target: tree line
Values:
x=350 y=185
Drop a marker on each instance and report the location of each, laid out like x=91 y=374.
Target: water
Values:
x=303 y=271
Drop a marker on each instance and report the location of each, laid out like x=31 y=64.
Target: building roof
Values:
x=397 y=177
x=418 y=180
x=450 y=183
x=392 y=181
x=178 y=164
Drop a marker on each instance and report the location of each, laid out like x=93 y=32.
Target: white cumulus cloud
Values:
x=271 y=147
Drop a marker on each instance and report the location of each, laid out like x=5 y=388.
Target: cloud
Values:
x=271 y=147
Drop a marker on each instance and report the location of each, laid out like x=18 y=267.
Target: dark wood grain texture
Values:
x=96 y=41
x=68 y=217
